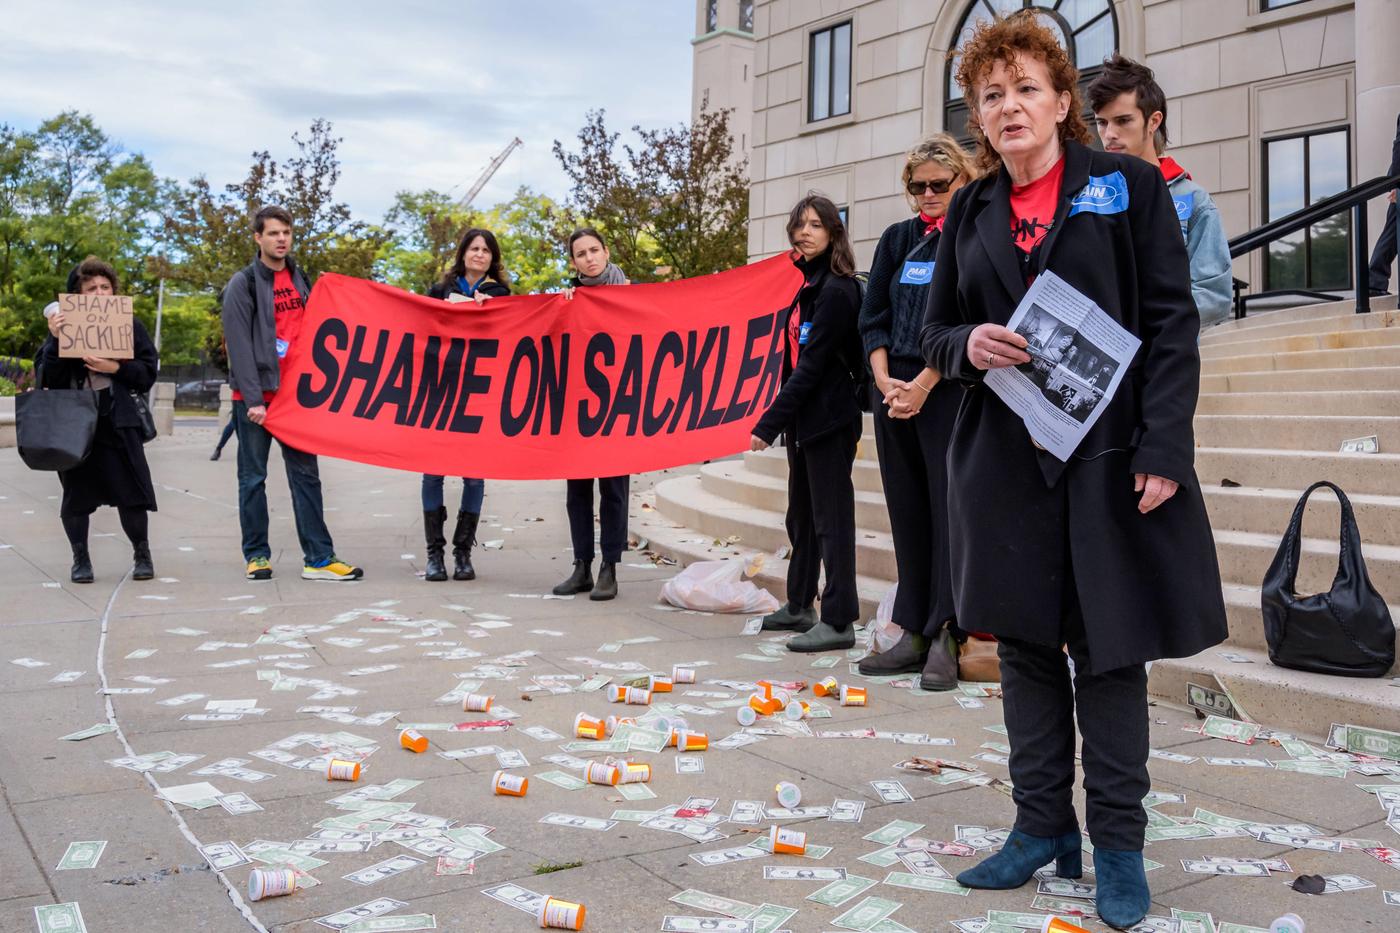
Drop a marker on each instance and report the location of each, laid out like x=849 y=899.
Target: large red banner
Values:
x=617 y=380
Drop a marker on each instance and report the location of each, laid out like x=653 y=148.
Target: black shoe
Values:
x=141 y=566
x=215 y=455
x=580 y=581
x=433 y=521
x=82 y=565
x=904 y=657
x=607 y=582
x=822 y=637
x=941 y=668
x=463 y=539
x=788 y=619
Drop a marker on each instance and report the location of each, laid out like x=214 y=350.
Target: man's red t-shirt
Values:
x=288 y=310
x=1033 y=208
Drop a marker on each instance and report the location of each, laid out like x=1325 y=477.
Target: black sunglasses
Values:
x=917 y=188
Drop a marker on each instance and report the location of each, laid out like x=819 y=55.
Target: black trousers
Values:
x=821 y=524
x=914 y=471
x=612 y=514
x=1383 y=256
x=1040 y=709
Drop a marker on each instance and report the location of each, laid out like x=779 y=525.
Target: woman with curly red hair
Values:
x=1108 y=552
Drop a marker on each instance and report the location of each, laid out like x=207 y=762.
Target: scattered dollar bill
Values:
x=59 y=918
x=512 y=758
x=893 y=832
x=891 y=792
x=790 y=873
x=714 y=903
x=577 y=822
x=635 y=792
x=1360 y=740
x=66 y=677
x=1392 y=898
x=839 y=892
x=223 y=855
x=566 y=781
x=238 y=803
x=904 y=879
x=690 y=764
x=676 y=924
x=728 y=856
x=1231 y=730
x=768 y=918
x=30 y=662
x=397 y=922
x=344 y=918
x=846 y=811
x=866 y=914
x=1370 y=444
x=82 y=855
x=1238 y=869
x=101 y=728
x=381 y=870
x=1064 y=887
x=1211 y=701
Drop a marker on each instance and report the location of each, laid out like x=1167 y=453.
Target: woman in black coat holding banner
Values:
x=818 y=413
x=1109 y=552
x=593 y=264
x=116 y=472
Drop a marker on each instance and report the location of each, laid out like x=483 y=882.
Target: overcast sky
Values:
x=424 y=92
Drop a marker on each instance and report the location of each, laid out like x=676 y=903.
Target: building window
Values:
x=746 y=15
x=829 y=73
x=711 y=15
x=845 y=218
x=1266 y=5
x=1086 y=28
x=1298 y=171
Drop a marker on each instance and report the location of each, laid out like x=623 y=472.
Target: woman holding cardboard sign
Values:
x=1107 y=551
x=115 y=473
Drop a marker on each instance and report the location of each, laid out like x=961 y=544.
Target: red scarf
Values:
x=1171 y=170
x=931 y=224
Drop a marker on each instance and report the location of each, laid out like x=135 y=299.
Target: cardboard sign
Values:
x=95 y=325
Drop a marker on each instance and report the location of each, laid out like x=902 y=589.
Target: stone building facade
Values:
x=1273 y=104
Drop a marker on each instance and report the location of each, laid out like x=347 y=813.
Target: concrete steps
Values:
x=1280 y=392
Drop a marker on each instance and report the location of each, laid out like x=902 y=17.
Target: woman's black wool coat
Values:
x=1025 y=526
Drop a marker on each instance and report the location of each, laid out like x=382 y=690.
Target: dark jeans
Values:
x=473 y=493
x=612 y=514
x=1040 y=708
x=914 y=473
x=821 y=524
x=304 y=480
x=1383 y=256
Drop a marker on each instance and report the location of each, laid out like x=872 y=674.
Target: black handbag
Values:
x=148 y=421
x=1347 y=630
x=54 y=427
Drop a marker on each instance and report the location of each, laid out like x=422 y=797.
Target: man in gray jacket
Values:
x=262 y=308
x=1130 y=112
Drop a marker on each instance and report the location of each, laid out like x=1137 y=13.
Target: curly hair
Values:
x=1002 y=40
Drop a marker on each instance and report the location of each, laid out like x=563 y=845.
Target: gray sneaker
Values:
x=941 y=668
x=787 y=619
x=822 y=637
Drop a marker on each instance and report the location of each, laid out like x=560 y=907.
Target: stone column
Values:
x=1377 y=96
x=163 y=407
x=225 y=404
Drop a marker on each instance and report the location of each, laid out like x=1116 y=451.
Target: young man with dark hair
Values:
x=1130 y=112
x=263 y=305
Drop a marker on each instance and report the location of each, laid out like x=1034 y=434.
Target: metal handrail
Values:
x=1354 y=198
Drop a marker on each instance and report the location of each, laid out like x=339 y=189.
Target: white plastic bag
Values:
x=717 y=586
x=884 y=633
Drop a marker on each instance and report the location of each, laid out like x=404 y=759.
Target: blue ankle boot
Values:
x=1123 y=897
x=1022 y=856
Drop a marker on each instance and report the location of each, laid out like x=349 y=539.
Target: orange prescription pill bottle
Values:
x=787 y=841
x=509 y=785
x=339 y=770
x=413 y=740
x=555 y=914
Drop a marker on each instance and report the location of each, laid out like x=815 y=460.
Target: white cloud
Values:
x=424 y=93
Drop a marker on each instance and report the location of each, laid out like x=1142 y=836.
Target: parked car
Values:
x=201 y=393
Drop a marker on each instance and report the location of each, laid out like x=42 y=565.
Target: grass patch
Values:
x=544 y=868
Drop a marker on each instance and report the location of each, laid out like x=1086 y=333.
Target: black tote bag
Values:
x=1347 y=630
x=54 y=427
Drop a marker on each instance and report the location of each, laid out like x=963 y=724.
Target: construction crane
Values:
x=496 y=163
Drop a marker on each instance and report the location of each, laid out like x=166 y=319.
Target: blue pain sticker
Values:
x=1185 y=207
x=802 y=334
x=282 y=346
x=1104 y=194
x=916 y=273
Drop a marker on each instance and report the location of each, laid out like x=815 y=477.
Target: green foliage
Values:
x=675 y=206
x=7 y=388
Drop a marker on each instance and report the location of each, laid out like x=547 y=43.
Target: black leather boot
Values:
x=463 y=539
x=82 y=565
x=788 y=619
x=141 y=566
x=433 y=522
x=904 y=657
x=580 y=581
x=941 y=667
x=607 y=582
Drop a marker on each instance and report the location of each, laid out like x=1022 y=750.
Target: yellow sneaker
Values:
x=337 y=569
x=259 y=568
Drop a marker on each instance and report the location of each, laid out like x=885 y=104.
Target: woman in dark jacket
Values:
x=818 y=413
x=475 y=275
x=1109 y=552
x=115 y=473
x=914 y=410
x=593 y=264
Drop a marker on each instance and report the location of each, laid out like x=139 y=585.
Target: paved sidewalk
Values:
x=152 y=877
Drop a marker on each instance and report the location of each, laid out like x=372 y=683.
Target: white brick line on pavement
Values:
x=233 y=892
